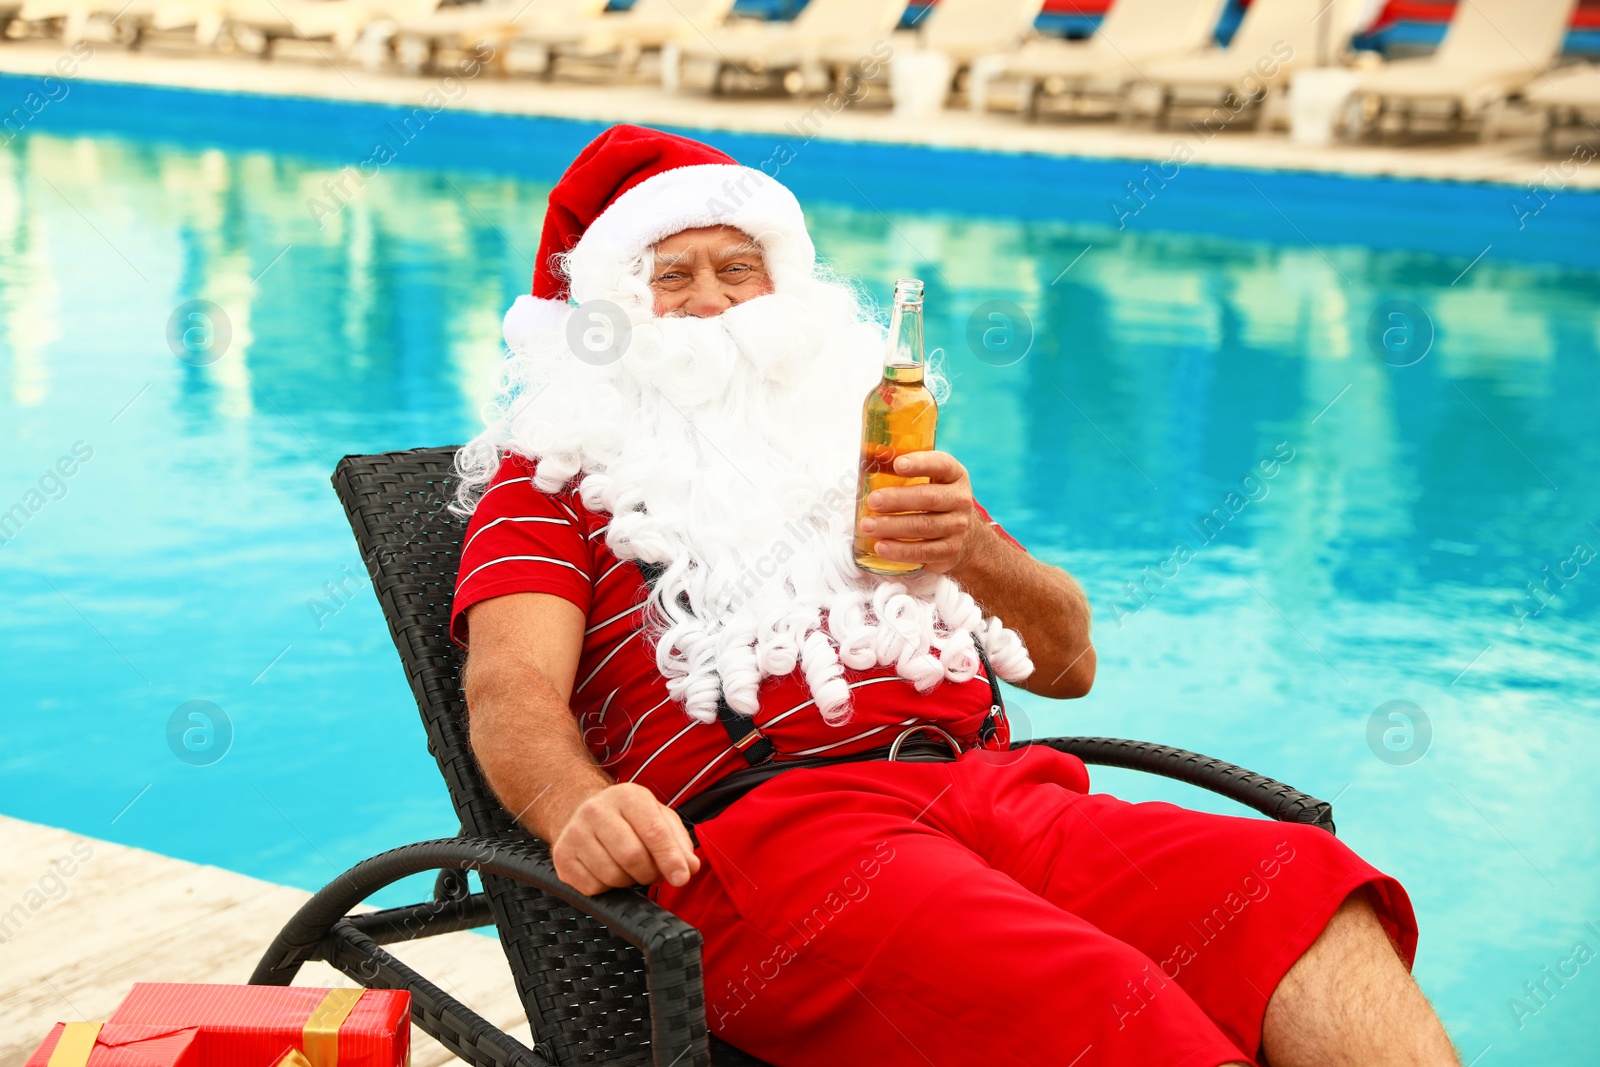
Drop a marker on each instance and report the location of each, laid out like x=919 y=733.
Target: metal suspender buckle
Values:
x=751 y=738
x=747 y=740
x=894 y=747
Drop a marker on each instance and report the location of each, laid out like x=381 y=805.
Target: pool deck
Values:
x=1515 y=158
x=126 y=915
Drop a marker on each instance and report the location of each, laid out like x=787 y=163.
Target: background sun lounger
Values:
x=1492 y=49
x=1273 y=39
x=256 y=25
x=580 y=31
x=206 y=18
x=417 y=37
x=1571 y=100
x=73 y=17
x=959 y=31
x=123 y=21
x=415 y=40
x=788 y=49
x=649 y=25
x=1133 y=33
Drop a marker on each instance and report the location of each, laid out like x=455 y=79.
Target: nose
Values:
x=706 y=299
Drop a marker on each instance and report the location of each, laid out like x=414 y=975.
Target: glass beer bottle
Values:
x=899 y=416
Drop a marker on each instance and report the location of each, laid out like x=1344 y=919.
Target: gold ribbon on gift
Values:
x=79 y=1040
x=76 y=1042
x=320 y=1038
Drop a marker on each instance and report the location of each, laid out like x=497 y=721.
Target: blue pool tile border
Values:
x=1448 y=218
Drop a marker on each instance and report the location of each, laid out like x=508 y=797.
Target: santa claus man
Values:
x=678 y=676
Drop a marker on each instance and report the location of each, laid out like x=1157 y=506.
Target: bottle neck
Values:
x=903 y=360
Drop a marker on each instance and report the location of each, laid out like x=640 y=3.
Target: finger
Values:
x=624 y=848
x=940 y=466
x=943 y=550
x=685 y=842
x=602 y=863
x=680 y=832
x=923 y=525
x=668 y=843
x=564 y=857
x=576 y=873
x=930 y=496
x=592 y=845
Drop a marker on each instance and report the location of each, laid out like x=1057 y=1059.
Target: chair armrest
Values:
x=1269 y=797
x=671 y=947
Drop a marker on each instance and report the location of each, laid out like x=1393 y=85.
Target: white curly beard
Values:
x=727 y=449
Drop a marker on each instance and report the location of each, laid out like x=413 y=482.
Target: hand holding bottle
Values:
x=932 y=525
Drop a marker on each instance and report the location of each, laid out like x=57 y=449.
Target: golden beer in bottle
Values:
x=899 y=416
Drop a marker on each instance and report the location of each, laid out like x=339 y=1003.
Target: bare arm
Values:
x=1042 y=603
x=518 y=680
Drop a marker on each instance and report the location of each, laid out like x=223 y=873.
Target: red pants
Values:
x=991 y=912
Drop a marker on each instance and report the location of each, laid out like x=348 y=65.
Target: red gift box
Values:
x=257 y=1026
x=116 y=1045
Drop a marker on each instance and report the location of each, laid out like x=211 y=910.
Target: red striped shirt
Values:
x=522 y=540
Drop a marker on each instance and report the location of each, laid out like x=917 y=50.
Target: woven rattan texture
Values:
x=456 y=1027
x=583 y=986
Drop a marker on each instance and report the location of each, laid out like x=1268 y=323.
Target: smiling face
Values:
x=705 y=271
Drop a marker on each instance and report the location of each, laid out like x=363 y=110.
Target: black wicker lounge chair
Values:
x=611 y=979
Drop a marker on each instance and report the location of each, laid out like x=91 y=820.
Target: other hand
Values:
x=942 y=526
x=623 y=836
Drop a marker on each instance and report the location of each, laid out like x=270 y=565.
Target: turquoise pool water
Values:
x=196 y=553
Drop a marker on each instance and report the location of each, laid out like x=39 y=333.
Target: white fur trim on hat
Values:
x=531 y=315
x=684 y=198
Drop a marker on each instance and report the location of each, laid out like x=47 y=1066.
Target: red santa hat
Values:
x=632 y=187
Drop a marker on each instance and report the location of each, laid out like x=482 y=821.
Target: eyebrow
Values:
x=741 y=250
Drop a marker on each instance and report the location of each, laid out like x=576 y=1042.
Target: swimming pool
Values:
x=1117 y=393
